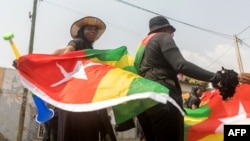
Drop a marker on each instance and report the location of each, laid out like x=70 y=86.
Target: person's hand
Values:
x=14 y=63
x=244 y=77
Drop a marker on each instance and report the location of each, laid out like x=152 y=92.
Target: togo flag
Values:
x=207 y=122
x=91 y=79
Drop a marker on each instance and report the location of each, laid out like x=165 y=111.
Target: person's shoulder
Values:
x=75 y=42
x=163 y=36
x=192 y=97
x=195 y=99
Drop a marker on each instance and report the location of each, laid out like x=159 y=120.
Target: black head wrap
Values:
x=227 y=85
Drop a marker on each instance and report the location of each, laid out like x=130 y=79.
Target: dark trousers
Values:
x=106 y=129
x=51 y=129
x=85 y=126
x=163 y=122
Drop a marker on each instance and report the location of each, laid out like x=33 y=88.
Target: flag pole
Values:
x=25 y=90
x=238 y=54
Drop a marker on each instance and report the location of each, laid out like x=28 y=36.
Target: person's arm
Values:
x=244 y=77
x=73 y=45
x=63 y=50
x=225 y=80
x=174 y=57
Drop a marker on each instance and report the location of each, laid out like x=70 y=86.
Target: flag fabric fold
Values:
x=140 y=51
x=207 y=122
x=90 y=80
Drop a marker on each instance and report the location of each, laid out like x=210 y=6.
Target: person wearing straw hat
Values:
x=160 y=60
x=84 y=32
x=84 y=126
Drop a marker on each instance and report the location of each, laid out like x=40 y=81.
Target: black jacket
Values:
x=162 y=60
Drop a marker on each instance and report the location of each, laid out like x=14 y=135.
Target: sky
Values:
x=205 y=29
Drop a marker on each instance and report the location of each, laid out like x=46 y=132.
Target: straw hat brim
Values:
x=87 y=21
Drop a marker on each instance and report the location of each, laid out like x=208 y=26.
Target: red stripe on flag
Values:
x=82 y=91
x=48 y=70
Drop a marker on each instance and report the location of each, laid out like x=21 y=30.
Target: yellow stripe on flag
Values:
x=193 y=121
x=120 y=80
x=213 y=137
x=125 y=60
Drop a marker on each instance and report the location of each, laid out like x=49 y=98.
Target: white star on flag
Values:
x=78 y=72
x=240 y=118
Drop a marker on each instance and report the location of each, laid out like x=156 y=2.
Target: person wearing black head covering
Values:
x=162 y=61
x=194 y=101
x=84 y=126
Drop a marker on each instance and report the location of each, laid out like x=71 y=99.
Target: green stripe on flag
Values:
x=107 y=55
x=139 y=87
x=195 y=116
x=138 y=57
x=118 y=57
x=140 y=51
x=130 y=109
x=203 y=111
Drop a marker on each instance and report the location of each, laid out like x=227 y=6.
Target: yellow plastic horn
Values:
x=9 y=37
x=44 y=114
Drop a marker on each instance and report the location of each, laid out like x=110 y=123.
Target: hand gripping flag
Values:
x=91 y=79
x=207 y=122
